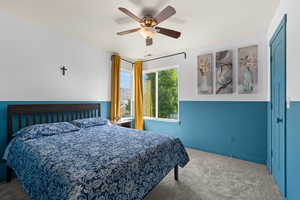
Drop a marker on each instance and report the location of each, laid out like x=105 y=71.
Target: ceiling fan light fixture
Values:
x=147 y=32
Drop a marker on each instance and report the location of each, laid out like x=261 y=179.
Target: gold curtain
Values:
x=115 y=87
x=138 y=95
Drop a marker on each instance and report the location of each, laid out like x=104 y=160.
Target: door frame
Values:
x=282 y=25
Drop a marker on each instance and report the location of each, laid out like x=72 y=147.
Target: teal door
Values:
x=278 y=106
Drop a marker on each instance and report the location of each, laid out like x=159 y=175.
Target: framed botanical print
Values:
x=248 y=69
x=205 y=74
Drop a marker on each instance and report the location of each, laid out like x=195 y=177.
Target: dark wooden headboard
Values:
x=19 y=116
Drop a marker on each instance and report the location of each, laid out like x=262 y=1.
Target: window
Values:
x=161 y=94
x=126 y=93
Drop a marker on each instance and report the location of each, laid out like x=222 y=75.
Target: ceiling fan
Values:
x=149 y=24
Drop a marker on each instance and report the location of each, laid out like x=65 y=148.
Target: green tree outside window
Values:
x=167 y=86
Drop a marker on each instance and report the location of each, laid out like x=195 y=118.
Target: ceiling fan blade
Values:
x=165 y=14
x=128 y=31
x=130 y=14
x=149 y=41
x=168 y=32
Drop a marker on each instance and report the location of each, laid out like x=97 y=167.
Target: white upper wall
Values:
x=291 y=8
x=188 y=71
x=30 y=58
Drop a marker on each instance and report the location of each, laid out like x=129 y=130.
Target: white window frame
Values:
x=156 y=70
x=132 y=93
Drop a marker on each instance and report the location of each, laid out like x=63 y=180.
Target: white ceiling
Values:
x=203 y=23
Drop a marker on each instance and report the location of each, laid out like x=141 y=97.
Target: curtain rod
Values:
x=127 y=61
x=175 y=54
x=123 y=60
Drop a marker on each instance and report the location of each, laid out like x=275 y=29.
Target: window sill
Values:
x=162 y=119
x=126 y=119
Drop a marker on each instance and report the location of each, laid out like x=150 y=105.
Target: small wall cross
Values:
x=63 y=69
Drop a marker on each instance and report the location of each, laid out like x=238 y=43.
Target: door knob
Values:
x=279 y=120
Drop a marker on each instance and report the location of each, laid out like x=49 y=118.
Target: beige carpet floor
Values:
x=206 y=177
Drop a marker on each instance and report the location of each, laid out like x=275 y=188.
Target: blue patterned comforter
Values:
x=98 y=163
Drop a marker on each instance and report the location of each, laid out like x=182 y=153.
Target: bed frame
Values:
x=19 y=116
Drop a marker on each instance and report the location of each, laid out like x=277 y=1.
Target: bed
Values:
x=99 y=162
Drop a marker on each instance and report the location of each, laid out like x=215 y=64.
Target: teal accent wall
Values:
x=237 y=129
x=293 y=151
x=105 y=113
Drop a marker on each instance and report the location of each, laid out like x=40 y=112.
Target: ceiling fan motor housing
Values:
x=149 y=22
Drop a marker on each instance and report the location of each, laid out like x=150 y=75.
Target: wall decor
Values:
x=248 y=74
x=224 y=72
x=205 y=74
x=63 y=70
